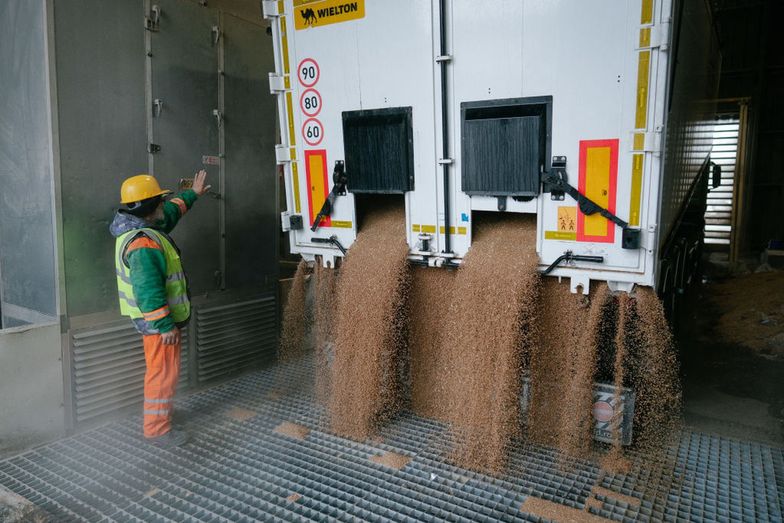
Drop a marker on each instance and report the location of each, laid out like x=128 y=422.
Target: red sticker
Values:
x=308 y=72
x=310 y=102
x=603 y=411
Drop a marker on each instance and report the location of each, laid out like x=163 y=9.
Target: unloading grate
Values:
x=238 y=468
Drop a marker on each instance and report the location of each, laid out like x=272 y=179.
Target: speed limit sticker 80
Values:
x=310 y=102
x=312 y=131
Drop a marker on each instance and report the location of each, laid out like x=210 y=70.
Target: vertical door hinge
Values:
x=152 y=21
x=277 y=83
x=218 y=116
x=153 y=148
x=269 y=9
x=660 y=35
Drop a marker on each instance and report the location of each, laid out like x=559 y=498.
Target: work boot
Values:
x=179 y=417
x=173 y=438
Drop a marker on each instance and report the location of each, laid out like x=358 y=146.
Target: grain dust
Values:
x=370 y=373
x=293 y=498
x=557 y=512
x=611 y=494
x=391 y=460
x=324 y=303
x=656 y=380
x=292 y=430
x=240 y=414
x=431 y=355
x=293 y=329
x=492 y=326
x=576 y=428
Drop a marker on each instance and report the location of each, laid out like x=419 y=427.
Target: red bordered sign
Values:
x=310 y=102
x=308 y=72
x=312 y=131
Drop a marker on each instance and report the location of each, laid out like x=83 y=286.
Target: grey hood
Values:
x=124 y=222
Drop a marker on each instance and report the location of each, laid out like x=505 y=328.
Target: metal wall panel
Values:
x=108 y=370
x=27 y=254
x=185 y=78
x=231 y=338
x=249 y=166
x=100 y=78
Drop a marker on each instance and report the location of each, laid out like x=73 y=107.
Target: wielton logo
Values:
x=309 y=16
x=318 y=13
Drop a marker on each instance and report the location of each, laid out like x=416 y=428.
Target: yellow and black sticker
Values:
x=560 y=235
x=567 y=219
x=316 y=13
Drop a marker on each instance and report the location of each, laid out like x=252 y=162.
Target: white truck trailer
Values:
x=582 y=113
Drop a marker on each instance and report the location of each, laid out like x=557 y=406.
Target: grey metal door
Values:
x=249 y=167
x=185 y=79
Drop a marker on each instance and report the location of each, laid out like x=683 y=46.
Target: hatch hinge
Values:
x=556 y=182
x=153 y=148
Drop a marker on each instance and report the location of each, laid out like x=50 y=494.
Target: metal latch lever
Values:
x=339 y=188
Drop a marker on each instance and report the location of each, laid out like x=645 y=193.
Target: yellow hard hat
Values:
x=140 y=187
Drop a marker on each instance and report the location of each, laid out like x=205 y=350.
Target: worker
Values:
x=153 y=290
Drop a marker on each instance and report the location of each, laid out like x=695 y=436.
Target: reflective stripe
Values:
x=178 y=300
x=159 y=412
x=157 y=400
x=130 y=301
x=175 y=276
x=123 y=277
x=181 y=204
x=157 y=314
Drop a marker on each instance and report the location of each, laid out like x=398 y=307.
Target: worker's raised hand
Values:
x=198 y=183
x=172 y=337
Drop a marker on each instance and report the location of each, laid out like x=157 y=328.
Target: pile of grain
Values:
x=370 y=365
x=491 y=327
x=295 y=321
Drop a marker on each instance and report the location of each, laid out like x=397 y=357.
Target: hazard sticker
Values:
x=310 y=14
x=567 y=219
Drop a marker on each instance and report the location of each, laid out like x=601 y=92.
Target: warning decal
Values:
x=315 y=13
x=598 y=180
x=567 y=219
x=318 y=183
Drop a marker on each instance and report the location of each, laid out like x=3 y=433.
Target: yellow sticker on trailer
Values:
x=316 y=13
x=567 y=219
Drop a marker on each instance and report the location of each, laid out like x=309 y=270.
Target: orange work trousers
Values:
x=160 y=381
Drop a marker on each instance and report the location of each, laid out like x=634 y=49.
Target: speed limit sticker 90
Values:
x=308 y=72
x=312 y=131
x=310 y=102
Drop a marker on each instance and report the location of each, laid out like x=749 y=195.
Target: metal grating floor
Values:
x=237 y=468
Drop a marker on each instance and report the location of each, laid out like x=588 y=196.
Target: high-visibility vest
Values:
x=176 y=284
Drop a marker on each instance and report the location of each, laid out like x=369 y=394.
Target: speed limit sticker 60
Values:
x=312 y=131
x=310 y=102
x=308 y=72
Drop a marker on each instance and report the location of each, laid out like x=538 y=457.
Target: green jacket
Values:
x=148 y=265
